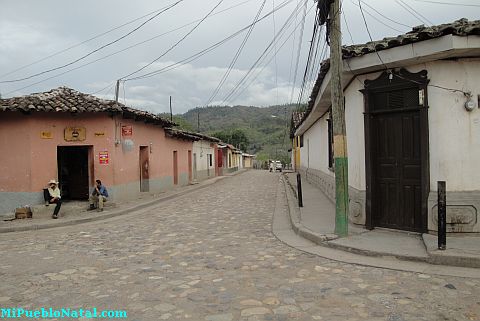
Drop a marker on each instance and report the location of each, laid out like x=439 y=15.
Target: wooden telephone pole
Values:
x=338 y=114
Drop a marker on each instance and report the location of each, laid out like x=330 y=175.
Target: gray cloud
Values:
x=30 y=30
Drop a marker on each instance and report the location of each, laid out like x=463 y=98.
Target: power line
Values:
x=124 y=49
x=175 y=44
x=287 y=22
x=375 y=18
x=96 y=50
x=80 y=43
x=419 y=18
x=253 y=78
x=208 y=49
x=384 y=16
x=417 y=12
x=237 y=54
x=450 y=3
x=370 y=35
x=299 y=48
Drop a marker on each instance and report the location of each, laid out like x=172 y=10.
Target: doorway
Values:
x=175 y=167
x=73 y=171
x=189 y=166
x=144 y=169
x=397 y=152
x=195 y=166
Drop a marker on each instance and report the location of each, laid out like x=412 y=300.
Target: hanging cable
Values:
x=125 y=78
x=206 y=50
x=80 y=43
x=299 y=48
x=123 y=50
x=96 y=50
x=237 y=54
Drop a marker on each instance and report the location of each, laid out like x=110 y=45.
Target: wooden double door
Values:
x=397 y=157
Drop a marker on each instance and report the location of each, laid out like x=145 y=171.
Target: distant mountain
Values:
x=266 y=128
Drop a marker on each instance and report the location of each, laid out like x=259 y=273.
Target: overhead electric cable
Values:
x=96 y=50
x=208 y=49
x=125 y=78
x=237 y=54
x=80 y=43
x=384 y=16
x=375 y=18
x=125 y=49
x=416 y=12
x=234 y=92
x=299 y=48
x=287 y=22
x=259 y=71
x=450 y=3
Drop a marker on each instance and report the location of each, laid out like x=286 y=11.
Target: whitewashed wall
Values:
x=200 y=150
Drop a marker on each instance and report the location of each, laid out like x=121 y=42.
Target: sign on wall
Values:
x=46 y=135
x=75 y=134
x=103 y=158
x=127 y=130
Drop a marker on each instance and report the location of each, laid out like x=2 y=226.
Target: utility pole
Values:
x=198 y=120
x=171 y=114
x=338 y=114
x=117 y=88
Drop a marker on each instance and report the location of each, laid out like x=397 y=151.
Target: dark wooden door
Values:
x=397 y=164
x=144 y=169
x=175 y=167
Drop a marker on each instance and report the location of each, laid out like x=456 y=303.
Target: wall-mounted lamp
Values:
x=470 y=103
x=151 y=148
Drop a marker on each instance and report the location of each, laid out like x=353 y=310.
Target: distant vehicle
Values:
x=276 y=166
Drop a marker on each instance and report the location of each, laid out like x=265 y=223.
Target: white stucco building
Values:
x=412 y=119
x=204 y=158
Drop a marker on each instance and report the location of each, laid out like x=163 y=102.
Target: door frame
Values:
x=144 y=156
x=393 y=80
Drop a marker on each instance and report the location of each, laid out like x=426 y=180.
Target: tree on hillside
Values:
x=235 y=137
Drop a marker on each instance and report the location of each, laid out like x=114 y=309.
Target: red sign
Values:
x=127 y=130
x=103 y=158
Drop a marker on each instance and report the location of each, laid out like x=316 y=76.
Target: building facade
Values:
x=412 y=119
x=78 y=138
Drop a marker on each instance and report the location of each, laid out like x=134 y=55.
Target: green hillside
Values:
x=261 y=131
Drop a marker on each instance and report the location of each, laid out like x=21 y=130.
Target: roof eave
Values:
x=445 y=47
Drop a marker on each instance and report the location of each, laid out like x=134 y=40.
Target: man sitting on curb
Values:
x=99 y=195
x=52 y=196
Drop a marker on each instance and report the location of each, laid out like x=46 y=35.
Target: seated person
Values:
x=52 y=196
x=99 y=195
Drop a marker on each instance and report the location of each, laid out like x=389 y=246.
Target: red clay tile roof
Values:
x=64 y=99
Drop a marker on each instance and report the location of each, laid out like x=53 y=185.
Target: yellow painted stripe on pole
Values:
x=339 y=146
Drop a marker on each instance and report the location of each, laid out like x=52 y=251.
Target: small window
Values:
x=301 y=141
x=209 y=159
x=331 y=161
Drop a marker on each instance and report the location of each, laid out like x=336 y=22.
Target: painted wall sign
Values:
x=75 y=134
x=99 y=134
x=46 y=135
x=103 y=158
x=127 y=130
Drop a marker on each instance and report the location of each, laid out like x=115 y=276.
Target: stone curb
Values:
x=325 y=240
x=62 y=223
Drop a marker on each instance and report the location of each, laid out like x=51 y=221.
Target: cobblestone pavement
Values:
x=210 y=255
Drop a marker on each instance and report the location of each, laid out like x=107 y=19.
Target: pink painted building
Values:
x=77 y=138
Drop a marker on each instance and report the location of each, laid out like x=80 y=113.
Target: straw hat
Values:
x=52 y=181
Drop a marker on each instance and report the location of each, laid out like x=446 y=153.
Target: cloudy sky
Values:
x=37 y=36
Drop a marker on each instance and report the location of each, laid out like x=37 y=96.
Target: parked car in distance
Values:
x=276 y=166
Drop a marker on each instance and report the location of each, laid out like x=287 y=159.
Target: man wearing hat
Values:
x=53 y=196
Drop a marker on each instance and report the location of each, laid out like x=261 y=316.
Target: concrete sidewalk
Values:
x=75 y=212
x=315 y=221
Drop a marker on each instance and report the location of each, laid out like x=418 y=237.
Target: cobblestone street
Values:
x=210 y=255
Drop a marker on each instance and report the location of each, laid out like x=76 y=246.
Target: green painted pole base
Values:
x=341 y=196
